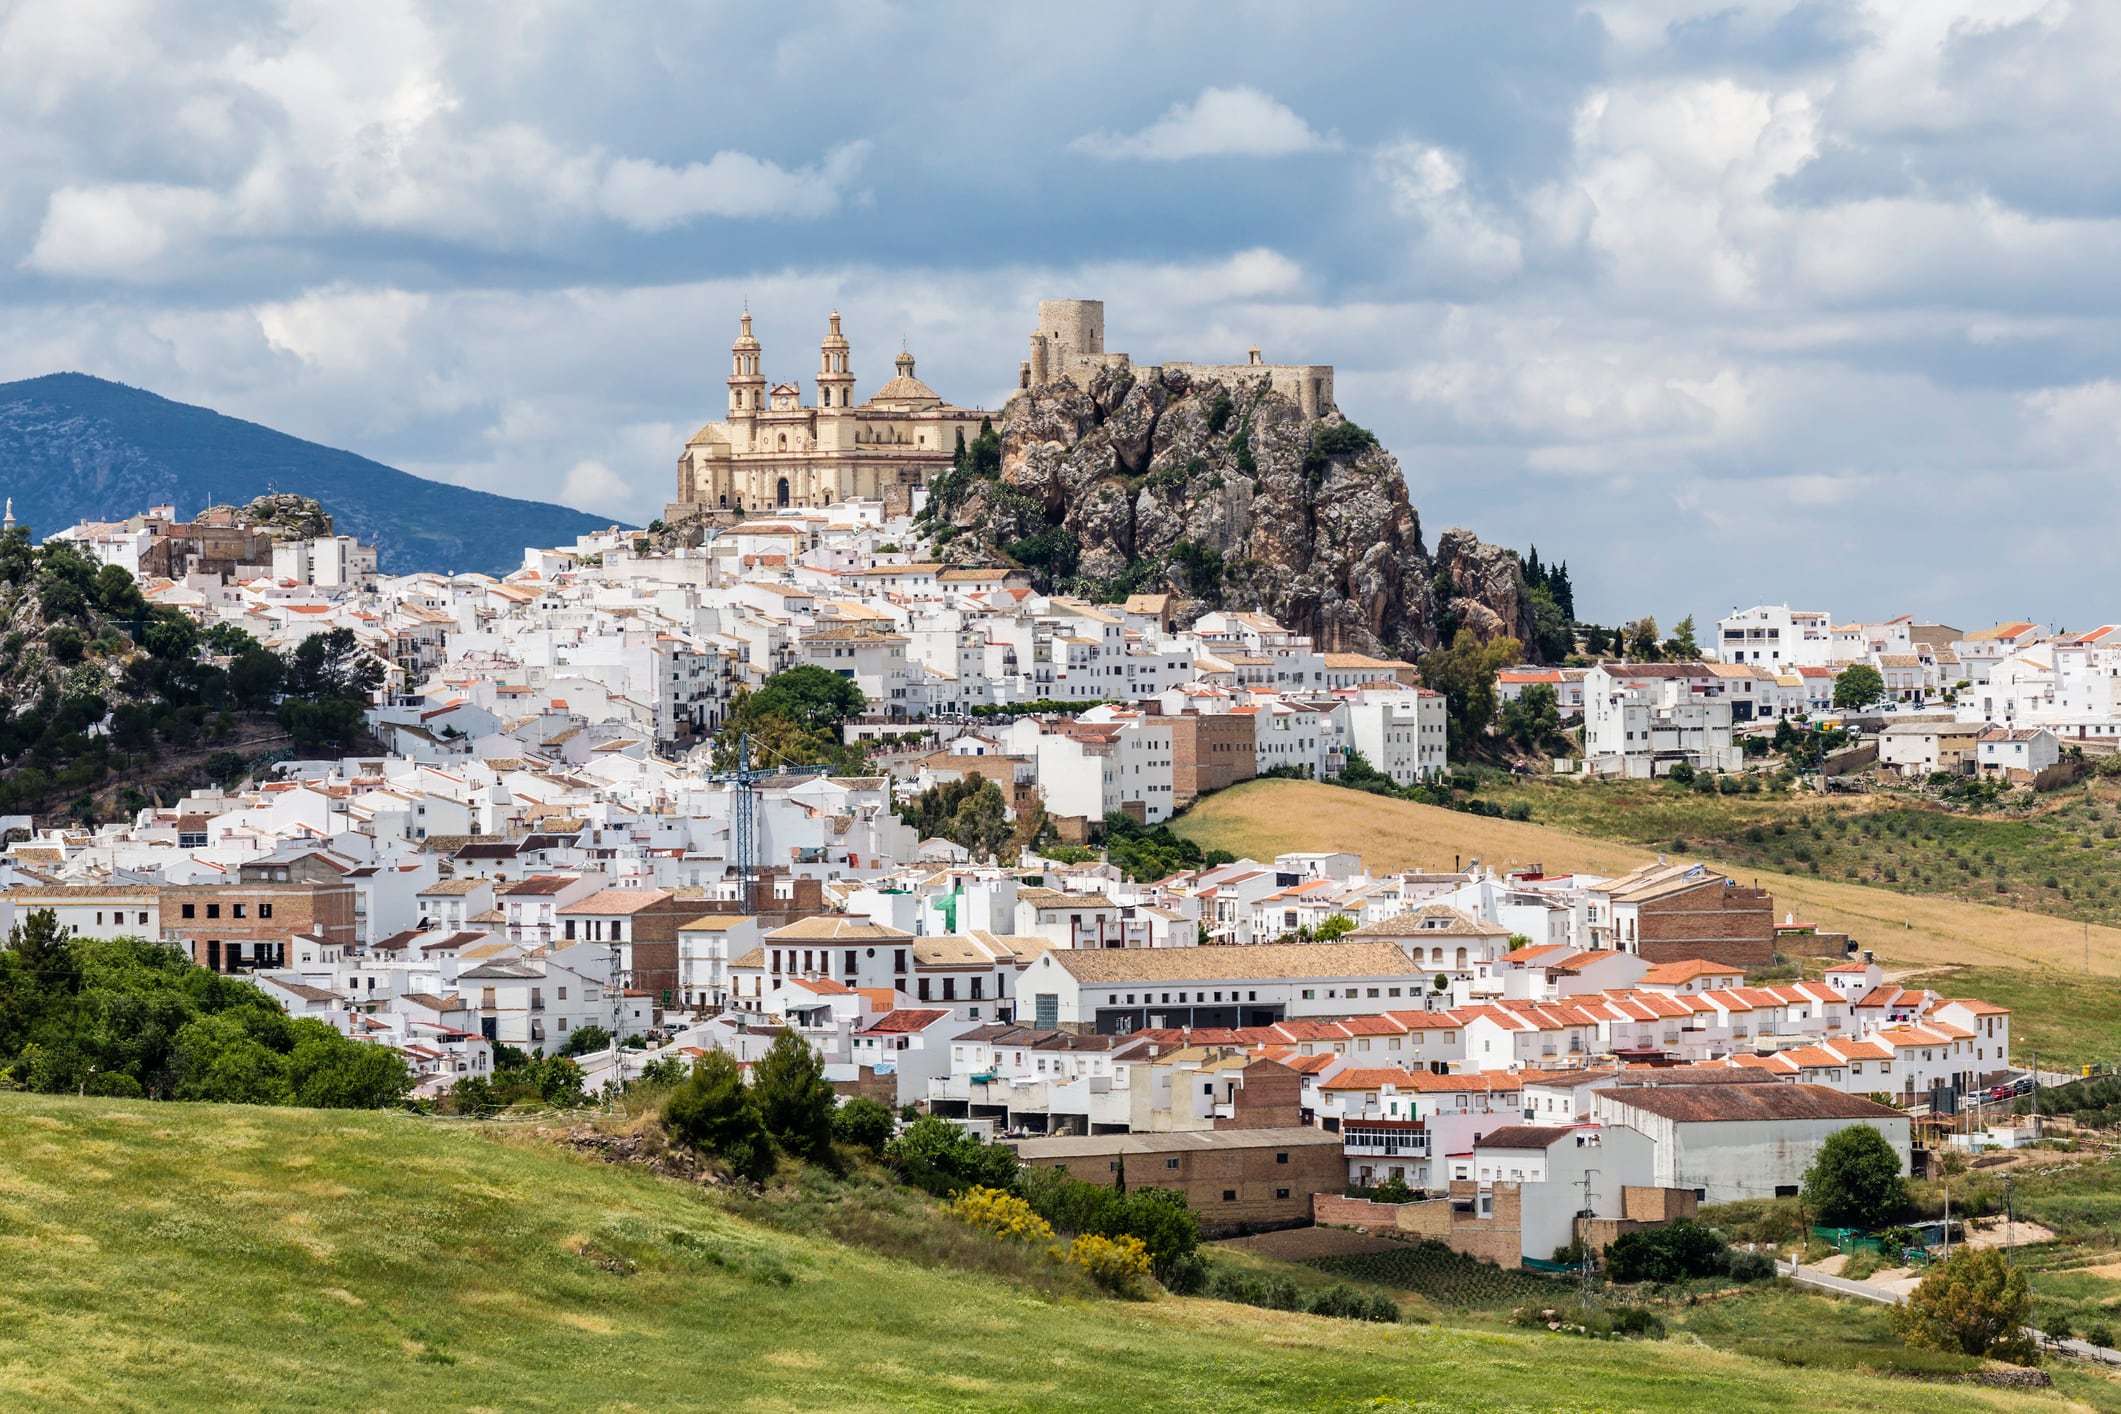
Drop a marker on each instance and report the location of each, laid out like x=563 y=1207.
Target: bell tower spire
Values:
x=747 y=386
x=835 y=378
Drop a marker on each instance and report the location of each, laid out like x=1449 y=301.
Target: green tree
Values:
x=584 y=1039
x=1638 y=638
x=1465 y=674
x=1532 y=716
x=1553 y=636
x=1858 y=685
x=1855 y=1180
x=334 y=723
x=116 y=593
x=712 y=1110
x=1681 y=647
x=794 y=1098
x=220 y=1060
x=865 y=1123
x=328 y=1071
x=1973 y=1303
x=333 y=665
x=811 y=697
x=1335 y=926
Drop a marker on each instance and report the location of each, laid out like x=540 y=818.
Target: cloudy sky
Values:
x=1720 y=302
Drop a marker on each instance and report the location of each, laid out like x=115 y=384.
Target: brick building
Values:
x=1262 y=1177
x=1209 y=751
x=242 y=927
x=1676 y=912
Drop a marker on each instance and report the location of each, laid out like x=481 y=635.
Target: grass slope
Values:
x=196 y=1257
x=73 y=447
x=1265 y=818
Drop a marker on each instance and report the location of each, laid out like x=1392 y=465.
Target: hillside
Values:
x=1156 y=480
x=207 y=1257
x=74 y=448
x=1264 y=818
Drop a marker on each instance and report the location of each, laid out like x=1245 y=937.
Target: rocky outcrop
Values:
x=1225 y=495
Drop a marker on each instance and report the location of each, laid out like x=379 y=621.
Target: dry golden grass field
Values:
x=1263 y=818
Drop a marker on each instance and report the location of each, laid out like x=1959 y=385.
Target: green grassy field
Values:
x=200 y=1257
x=2070 y=1019
x=2063 y=859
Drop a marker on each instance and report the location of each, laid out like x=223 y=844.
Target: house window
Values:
x=190 y=910
x=213 y=910
x=239 y=910
x=1229 y=1195
x=1170 y=1163
x=1281 y=1158
x=1281 y=1192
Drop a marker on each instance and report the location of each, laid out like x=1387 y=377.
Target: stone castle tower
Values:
x=1069 y=346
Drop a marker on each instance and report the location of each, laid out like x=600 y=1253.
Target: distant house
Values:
x=2017 y=754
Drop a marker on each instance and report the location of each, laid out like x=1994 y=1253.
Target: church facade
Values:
x=774 y=451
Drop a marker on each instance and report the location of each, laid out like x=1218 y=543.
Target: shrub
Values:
x=865 y=1123
x=1003 y=1214
x=1118 y=1264
x=936 y=1155
x=1752 y=1266
x=1349 y=1304
x=1271 y=1293
x=1971 y=1304
x=1186 y=1275
x=1684 y=1249
x=712 y=1110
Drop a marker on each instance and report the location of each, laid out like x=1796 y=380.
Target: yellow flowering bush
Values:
x=1118 y=1264
x=1003 y=1214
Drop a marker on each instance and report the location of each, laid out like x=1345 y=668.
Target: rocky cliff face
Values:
x=1227 y=496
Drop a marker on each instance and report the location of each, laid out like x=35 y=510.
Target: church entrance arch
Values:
x=782 y=493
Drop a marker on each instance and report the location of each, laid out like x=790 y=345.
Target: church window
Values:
x=784 y=447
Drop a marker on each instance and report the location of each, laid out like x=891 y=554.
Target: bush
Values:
x=1752 y=1266
x=1349 y=1304
x=1118 y=1264
x=584 y=1039
x=1187 y=1275
x=934 y=1154
x=1971 y=1304
x=1003 y=1214
x=864 y=1123
x=712 y=1110
x=1666 y=1254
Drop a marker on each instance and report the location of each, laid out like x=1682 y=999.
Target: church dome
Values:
x=905 y=388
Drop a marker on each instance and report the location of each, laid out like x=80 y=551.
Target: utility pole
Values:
x=2010 y=1222
x=1583 y=1270
x=2036 y=1097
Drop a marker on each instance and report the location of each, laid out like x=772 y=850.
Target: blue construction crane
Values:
x=743 y=826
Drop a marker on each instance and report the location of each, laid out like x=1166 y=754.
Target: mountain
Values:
x=75 y=448
x=1226 y=495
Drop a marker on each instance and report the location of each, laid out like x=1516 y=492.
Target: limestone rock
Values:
x=1224 y=493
